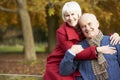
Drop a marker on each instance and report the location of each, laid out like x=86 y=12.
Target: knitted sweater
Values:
x=68 y=65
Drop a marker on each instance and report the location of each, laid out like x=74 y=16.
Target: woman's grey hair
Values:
x=71 y=6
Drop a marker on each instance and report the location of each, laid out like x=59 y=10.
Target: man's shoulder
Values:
x=105 y=40
x=83 y=43
x=105 y=37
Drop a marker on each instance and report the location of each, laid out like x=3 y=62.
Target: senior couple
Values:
x=105 y=67
x=83 y=52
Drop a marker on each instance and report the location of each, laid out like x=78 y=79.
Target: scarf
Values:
x=99 y=65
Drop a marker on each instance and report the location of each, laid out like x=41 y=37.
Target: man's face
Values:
x=89 y=26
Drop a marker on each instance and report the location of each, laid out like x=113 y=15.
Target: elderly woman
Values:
x=105 y=67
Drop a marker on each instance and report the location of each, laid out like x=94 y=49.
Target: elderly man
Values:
x=106 y=66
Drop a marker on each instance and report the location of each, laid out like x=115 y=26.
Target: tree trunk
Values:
x=51 y=33
x=52 y=23
x=29 y=46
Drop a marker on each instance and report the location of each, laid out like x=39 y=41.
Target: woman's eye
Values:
x=66 y=15
x=72 y=14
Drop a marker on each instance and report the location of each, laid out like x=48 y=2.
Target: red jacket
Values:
x=66 y=37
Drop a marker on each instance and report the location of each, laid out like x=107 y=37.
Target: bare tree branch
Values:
x=7 y=10
x=3 y=1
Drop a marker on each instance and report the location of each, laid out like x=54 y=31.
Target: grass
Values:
x=19 y=77
x=11 y=49
x=19 y=48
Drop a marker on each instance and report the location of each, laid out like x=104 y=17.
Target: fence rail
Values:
x=20 y=77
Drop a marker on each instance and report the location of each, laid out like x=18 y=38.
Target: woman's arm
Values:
x=102 y=49
x=89 y=53
x=114 y=39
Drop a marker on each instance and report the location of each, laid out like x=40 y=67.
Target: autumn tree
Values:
x=29 y=47
x=21 y=10
x=53 y=18
x=107 y=12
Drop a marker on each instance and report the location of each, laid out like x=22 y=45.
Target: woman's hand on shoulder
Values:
x=106 y=49
x=76 y=49
x=115 y=39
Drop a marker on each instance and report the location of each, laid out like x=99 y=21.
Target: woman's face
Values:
x=71 y=18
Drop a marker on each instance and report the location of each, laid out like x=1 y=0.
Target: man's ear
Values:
x=97 y=23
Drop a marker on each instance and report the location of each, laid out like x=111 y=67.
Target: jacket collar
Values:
x=71 y=33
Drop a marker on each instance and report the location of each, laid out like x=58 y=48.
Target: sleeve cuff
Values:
x=71 y=52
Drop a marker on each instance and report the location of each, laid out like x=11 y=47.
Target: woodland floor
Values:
x=14 y=63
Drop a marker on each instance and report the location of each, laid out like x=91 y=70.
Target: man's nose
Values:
x=87 y=27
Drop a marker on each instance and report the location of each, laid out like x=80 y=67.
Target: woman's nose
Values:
x=70 y=17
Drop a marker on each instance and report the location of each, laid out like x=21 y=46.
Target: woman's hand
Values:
x=106 y=49
x=115 y=39
x=76 y=49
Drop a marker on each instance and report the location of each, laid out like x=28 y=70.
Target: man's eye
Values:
x=89 y=23
x=82 y=26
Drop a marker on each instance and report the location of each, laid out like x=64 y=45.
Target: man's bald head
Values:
x=89 y=25
x=88 y=16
